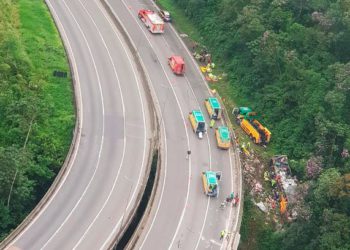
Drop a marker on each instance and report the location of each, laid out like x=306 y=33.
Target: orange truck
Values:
x=152 y=21
x=256 y=131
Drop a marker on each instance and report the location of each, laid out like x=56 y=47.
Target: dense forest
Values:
x=290 y=61
x=36 y=109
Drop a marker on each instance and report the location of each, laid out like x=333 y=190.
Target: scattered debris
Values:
x=262 y=206
x=314 y=166
x=258 y=187
x=345 y=153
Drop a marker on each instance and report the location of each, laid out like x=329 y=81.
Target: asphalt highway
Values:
x=181 y=216
x=106 y=173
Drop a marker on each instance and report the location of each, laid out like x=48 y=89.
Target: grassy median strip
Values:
x=36 y=107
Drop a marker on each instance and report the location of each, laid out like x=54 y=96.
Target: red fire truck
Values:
x=152 y=21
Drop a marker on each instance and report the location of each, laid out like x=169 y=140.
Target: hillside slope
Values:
x=36 y=108
x=289 y=60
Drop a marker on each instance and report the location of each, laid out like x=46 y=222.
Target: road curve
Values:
x=106 y=173
x=181 y=216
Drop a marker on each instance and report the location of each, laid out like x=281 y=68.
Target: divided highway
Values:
x=105 y=176
x=181 y=215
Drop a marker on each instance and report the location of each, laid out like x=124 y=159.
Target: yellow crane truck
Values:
x=253 y=128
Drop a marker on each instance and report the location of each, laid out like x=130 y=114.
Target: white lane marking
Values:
x=144 y=121
x=124 y=136
x=80 y=109
x=189 y=54
x=210 y=162
x=207 y=86
x=231 y=208
x=144 y=141
x=103 y=130
x=209 y=149
x=215 y=242
x=183 y=211
x=183 y=119
x=167 y=44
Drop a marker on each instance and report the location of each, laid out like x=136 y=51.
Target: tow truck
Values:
x=213 y=107
x=152 y=21
x=223 y=138
x=198 y=123
x=211 y=183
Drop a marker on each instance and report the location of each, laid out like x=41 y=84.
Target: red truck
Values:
x=177 y=64
x=152 y=21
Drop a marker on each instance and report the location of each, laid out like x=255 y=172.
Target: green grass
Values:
x=179 y=20
x=253 y=228
x=44 y=48
x=38 y=107
x=230 y=95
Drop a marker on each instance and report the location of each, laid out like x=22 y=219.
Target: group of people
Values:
x=277 y=190
x=234 y=199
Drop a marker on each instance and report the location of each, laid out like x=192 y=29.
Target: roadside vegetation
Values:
x=289 y=61
x=36 y=109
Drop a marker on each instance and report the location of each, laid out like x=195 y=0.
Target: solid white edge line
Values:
x=144 y=125
x=80 y=111
x=114 y=230
x=182 y=116
x=102 y=138
x=228 y=222
x=124 y=127
x=183 y=211
x=210 y=162
x=194 y=63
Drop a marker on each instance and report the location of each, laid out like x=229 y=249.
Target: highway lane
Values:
x=108 y=167
x=182 y=216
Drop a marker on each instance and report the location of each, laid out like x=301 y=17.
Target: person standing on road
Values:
x=236 y=200
x=222 y=234
x=212 y=123
x=230 y=197
x=188 y=154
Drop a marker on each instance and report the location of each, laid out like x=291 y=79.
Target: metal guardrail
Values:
x=233 y=241
x=72 y=149
x=156 y=125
